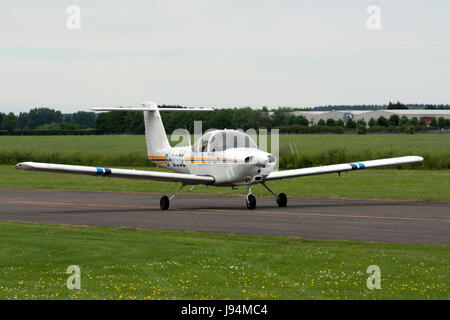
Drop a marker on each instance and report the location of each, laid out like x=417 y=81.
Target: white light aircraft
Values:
x=226 y=158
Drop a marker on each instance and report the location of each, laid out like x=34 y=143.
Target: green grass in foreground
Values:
x=370 y=184
x=123 y=263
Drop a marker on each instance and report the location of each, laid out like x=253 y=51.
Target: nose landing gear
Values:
x=251 y=202
x=251 y=199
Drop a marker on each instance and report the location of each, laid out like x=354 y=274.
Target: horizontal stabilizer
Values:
x=149 y=109
x=149 y=106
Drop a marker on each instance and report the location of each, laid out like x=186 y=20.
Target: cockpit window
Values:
x=204 y=145
x=222 y=140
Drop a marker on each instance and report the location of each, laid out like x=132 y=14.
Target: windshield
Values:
x=222 y=140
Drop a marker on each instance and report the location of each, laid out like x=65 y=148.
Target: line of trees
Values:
x=391 y=105
x=243 y=118
x=48 y=121
x=246 y=118
x=45 y=119
x=393 y=124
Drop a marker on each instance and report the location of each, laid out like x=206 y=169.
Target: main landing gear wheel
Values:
x=282 y=200
x=165 y=200
x=251 y=201
x=164 y=203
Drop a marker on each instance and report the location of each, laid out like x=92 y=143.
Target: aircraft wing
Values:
x=338 y=168
x=118 y=173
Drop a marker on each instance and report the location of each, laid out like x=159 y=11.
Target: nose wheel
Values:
x=251 y=201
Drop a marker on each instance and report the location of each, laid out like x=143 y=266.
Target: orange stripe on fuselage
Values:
x=194 y=160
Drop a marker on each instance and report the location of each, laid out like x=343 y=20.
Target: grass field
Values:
x=396 y=184
x=296 y=150
x=309 y=150
x=122 y=263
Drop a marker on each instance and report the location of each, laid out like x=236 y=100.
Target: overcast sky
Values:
x=222 y=53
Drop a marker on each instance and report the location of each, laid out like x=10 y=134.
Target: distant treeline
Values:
x=243 y=118
x=246 y=118
x=394 y=124
x=44 y=121
x=391 y=106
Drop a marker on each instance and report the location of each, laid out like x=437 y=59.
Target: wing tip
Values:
x=21 y=166
x=416 y=158
x=25 y=165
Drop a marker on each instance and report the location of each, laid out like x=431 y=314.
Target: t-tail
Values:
x=155 y=134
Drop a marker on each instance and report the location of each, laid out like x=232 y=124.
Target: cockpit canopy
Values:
x=221 y=140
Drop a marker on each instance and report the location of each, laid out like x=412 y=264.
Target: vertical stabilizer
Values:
x=155 y=134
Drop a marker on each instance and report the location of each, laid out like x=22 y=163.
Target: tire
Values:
x=164 y=203
x=282 y=200
x=251 y=202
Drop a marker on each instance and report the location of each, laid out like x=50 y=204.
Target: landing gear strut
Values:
x=281 y=198
x=164 y=203
x=251 y=200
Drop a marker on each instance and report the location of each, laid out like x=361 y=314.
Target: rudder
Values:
x=155 y=134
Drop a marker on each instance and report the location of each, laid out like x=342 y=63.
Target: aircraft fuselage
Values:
x=232 y=167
